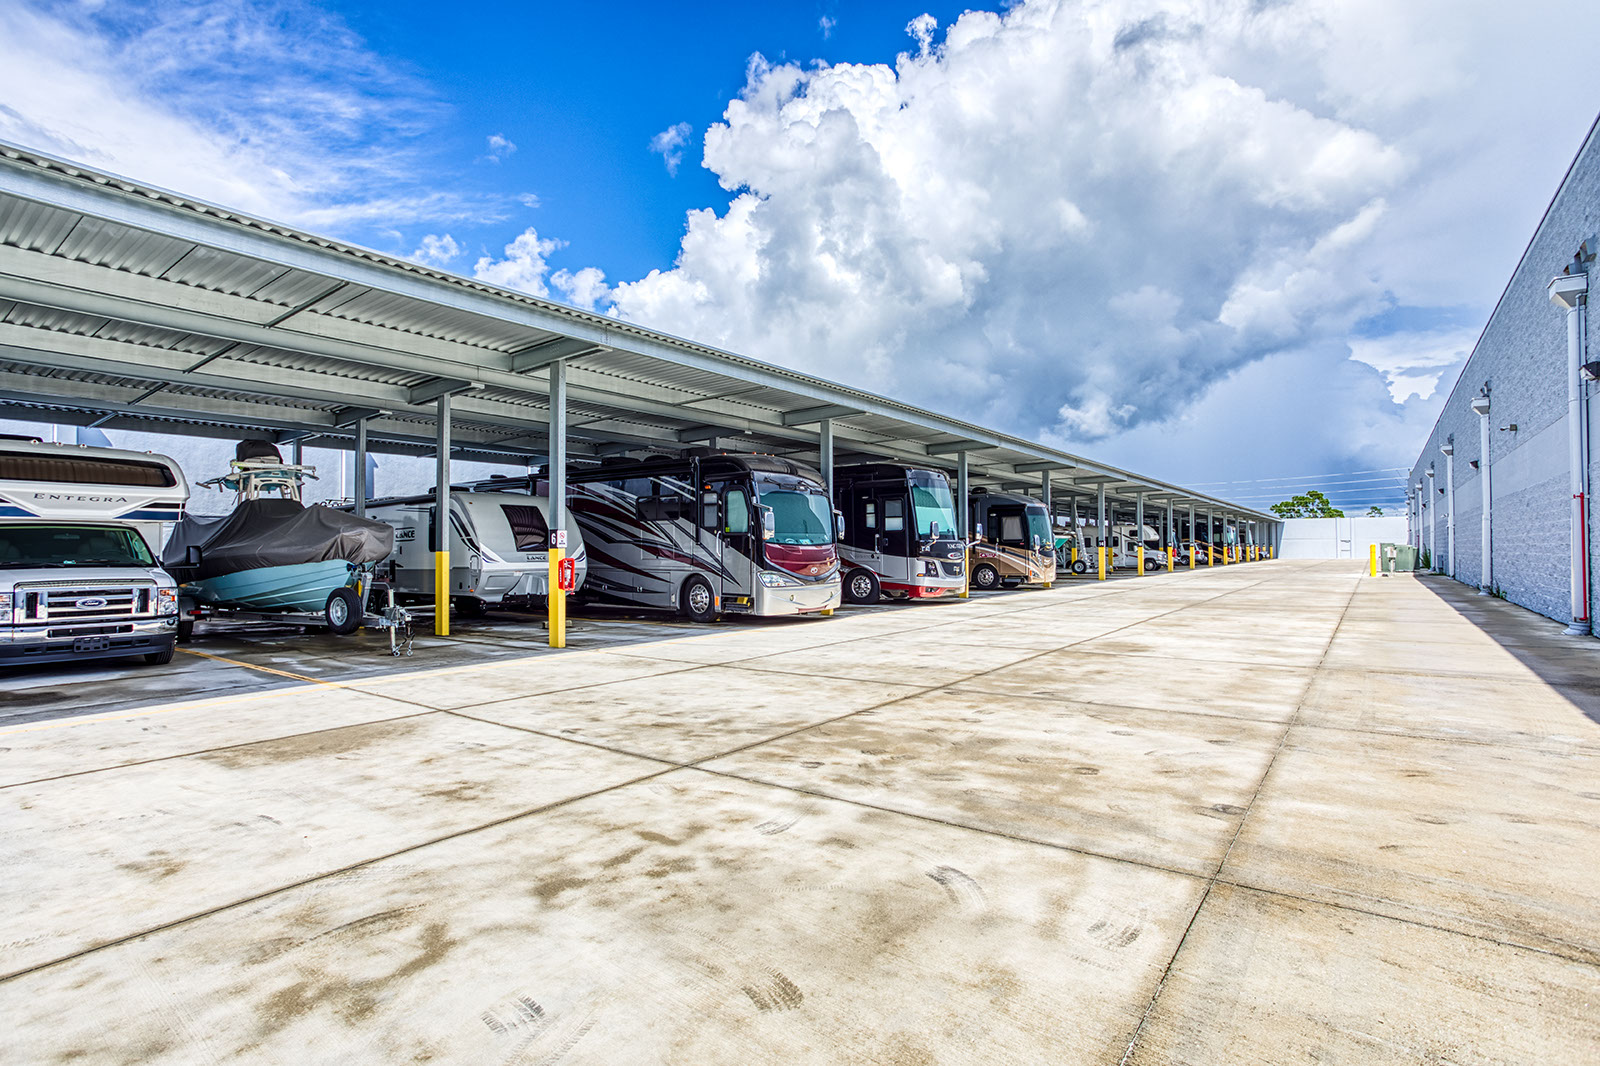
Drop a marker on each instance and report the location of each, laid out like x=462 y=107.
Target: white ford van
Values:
x=79 y=531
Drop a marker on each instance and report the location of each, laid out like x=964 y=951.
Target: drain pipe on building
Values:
x=1480 y=406
x=1571 y=291
x=1449 y=450
x=1433 y=524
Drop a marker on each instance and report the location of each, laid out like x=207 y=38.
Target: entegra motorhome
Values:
x=899 y=532
x=1013 y=542
x=723 y=533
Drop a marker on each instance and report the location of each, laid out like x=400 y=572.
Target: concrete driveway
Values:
x=1267 y=813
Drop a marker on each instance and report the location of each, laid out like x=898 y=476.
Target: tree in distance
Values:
x=1312 y=504
x=1374 y=512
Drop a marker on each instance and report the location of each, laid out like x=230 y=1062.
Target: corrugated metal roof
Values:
x=294 y=322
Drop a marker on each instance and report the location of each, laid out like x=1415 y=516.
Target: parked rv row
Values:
x=703 y=536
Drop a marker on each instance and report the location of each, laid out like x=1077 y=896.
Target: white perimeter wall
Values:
x=1339 y=538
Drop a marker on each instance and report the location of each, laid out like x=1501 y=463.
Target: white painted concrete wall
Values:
x=1340 y=538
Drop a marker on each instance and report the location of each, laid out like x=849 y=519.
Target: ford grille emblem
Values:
x=89 y=603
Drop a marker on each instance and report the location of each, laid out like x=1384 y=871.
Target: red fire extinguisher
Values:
x=567 y=575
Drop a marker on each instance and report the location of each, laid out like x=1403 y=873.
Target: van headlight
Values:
x=166 y=601
x=776 y=581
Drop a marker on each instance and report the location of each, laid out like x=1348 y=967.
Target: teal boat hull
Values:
x=301 y=587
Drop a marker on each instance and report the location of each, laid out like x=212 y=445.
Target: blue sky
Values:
x=1218 y=241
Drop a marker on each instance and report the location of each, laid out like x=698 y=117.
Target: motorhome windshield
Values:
x=30 y=546
x=932 y=504
x=801 y=514
x=1039 y=526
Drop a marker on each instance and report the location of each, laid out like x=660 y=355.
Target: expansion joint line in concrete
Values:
x=1211 y=882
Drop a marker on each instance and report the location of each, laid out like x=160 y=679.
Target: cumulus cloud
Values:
x=499 y=147
x=669 y=143
x=524 y=266
x=584 y=288
x=1075 y=218
x=437 y=250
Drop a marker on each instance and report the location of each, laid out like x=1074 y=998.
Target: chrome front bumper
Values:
x=797 y=599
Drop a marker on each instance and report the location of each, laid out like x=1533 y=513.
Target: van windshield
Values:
x=801 y=513
x=27 y=546
x=932 y=503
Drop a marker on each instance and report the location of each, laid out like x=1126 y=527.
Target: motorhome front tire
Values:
x=985 y=577
x=861 y=586
x=699 y=602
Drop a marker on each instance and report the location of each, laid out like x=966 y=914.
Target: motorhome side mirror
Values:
x=191 y=555
x=933 y=530
x=769 y=524
x=838 y=526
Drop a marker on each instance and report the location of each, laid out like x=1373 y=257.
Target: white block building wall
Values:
x=1339 y=538
x=1521 y=358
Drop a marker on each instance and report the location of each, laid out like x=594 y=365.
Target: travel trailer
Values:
x=1013 y=543
x=499 y=548
x=78 y=576
x=707 y=535
x=900 y=533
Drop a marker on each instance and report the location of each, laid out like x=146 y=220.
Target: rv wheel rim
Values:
x=860 y=586
x=699 y=598
x=337 y=612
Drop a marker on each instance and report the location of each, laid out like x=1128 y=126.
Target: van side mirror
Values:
x=192 y=555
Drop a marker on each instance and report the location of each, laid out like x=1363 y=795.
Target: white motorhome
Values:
x=78 y=573
x=499 y=548
x=1124 y=548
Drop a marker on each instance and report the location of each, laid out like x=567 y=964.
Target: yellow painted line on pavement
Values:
x=253 y=666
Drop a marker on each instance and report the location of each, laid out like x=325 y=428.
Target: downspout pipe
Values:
x=1433 y=524
x=1480 y=406
x=1571 y=292
x=1449 y=450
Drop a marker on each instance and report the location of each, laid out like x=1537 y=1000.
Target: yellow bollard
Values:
x=1372 y=561
x=1074 y=555
x=556 y=601
x=1172 y=558
x=1211 y=555
x=1193 y=553
x=1139 y=561
x=441 y=593
x=966 y=575
x=1101 y=550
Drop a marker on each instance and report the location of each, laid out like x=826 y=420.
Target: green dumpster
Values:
x=1405 y=558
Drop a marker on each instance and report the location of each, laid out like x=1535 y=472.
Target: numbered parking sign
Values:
x=558 y=538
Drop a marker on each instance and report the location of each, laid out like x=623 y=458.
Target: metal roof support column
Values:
x=963 y=506
x=1138 y=532
x=1211 y=536
x=1100 y=526
x=1172 y=529
x=556 y=473
x=964 y=523
x=1044 y=484
x=441 y=520
x=825 y=460
x=360 y=480
x=296 y=452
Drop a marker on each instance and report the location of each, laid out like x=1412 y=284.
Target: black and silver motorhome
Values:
x=900 y=532
x=1013 y=541
x=702 y=535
